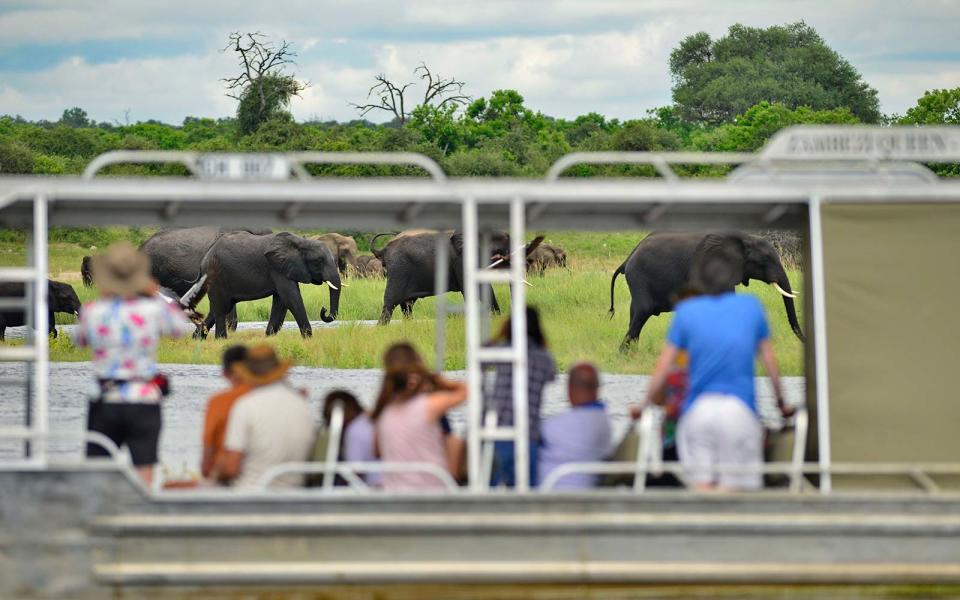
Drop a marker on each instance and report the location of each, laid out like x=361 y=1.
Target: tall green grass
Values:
x=573 y=304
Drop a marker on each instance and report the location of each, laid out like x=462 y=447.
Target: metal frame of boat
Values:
x=132 y=537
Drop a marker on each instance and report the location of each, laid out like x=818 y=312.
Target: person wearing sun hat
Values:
x=270 y=425
x=123 y=328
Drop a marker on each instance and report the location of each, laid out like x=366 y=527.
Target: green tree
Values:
x=15 y=157
x=715 y=80
x=75 y=117
x=751 y=130
x=935 y=107
x=263 y=89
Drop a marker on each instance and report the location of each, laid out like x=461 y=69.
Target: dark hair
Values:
x=233 y=355
x=716 y=274
x=534 y=330
x=689 y=290
x=401 y=362
x=351 y=406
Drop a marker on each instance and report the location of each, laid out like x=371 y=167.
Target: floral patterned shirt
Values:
x=123 y=335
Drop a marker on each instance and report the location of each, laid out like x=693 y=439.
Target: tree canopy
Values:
x=716 y=80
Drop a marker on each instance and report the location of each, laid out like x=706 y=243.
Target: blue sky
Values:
x=163 y=60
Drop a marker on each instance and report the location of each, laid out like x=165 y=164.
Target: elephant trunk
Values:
x=780 y=279
x=333 y=280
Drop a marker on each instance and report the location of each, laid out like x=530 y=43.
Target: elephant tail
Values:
x=613 y=280
x=373 y=250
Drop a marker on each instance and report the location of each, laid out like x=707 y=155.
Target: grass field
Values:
x=573 y=304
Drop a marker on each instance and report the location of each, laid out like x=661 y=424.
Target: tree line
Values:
x=729 y=94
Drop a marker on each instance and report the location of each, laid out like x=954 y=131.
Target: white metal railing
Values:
x=793 y=143
x=350 y=470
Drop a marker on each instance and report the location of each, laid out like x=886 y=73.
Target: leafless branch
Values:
x=391 y=98
x=447 y=90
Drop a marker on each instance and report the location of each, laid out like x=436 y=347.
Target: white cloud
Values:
x=567 y=57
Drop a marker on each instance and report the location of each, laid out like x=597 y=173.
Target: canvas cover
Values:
x=892 y=286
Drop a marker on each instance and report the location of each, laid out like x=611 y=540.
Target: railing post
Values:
x=472 y=324
x=518 y=334
x=441 y=284
x=820 y=345
x=41 y=340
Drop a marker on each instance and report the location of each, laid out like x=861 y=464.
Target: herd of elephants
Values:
x=238 y=265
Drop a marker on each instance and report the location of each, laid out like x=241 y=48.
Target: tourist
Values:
x=407 y=416
x=123 y=329
x=719 y=425
x=218 y=410
x=357 y=437
x=581 y=434
x=268 y=426
x=541 y=370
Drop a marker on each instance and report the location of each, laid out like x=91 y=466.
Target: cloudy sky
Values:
x=150 y=59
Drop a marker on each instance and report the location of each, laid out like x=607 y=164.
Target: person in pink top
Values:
x=407 y=418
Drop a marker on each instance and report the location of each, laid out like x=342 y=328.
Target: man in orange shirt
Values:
x=218 y=410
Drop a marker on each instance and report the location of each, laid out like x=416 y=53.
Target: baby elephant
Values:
x=60 y=298
x=369 y=266
x=545 y=256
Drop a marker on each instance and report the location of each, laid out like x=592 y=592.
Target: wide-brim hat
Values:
x=122 y=270
x=262 y=366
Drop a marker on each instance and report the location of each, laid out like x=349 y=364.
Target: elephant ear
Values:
x=283 y=254
x=717 y=244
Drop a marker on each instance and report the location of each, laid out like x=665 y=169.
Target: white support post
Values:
x=820 y=345
x=41 y=326
x=441 y=285
x=472 y=324
x=518 y=334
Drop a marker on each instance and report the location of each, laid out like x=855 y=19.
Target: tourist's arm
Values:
x=659 y=376
x=448 y=394
x=228 y=466
x=769 y=360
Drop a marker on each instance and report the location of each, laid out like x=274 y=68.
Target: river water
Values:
x=183 y=410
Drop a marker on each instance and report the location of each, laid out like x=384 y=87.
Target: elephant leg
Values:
x=52 y=324
x=639 y=314
x=3 y=332
x=289 y=295
x=278 y=311
x=218 y=310
x=392 y=296
x=494 y=306
x=232 y=318
x=406 y=308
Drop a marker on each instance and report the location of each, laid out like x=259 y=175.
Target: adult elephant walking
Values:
x=343 y=248
x=409 y=260
x=243 y=266
x=664 y=262
x=175 y=256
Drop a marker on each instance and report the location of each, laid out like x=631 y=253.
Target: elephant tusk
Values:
x=527 y=282
x=333 y=287
x=782 y=291
x=495 y=263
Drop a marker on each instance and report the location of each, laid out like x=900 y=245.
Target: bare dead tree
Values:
x=439 y=92
x=262 y=73
x=391 y=98
x=448 y=91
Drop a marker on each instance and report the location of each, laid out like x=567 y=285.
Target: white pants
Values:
x=721 y=430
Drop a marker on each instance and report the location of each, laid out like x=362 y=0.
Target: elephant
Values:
x=663 y=262
x=61 y=298
x=544 y=257
x=369 y=266
x=244 y=266
x=409 y=260
x=175 y=256
x=342 y=247
x=86 y=271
